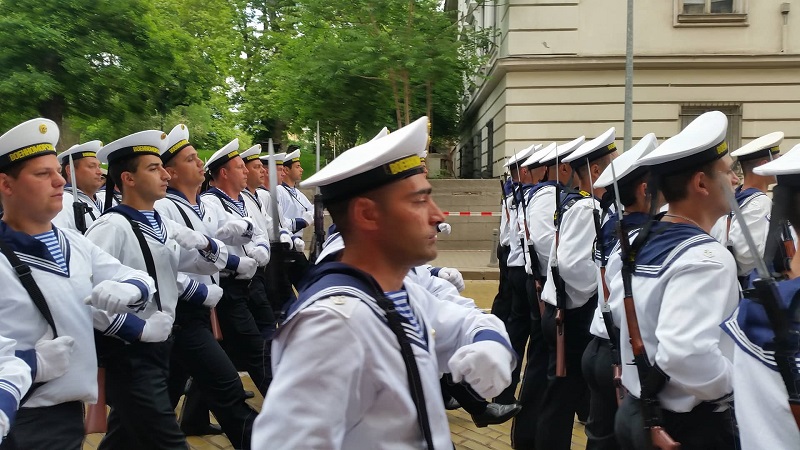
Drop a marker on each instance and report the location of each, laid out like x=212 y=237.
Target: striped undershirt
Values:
x=196 y=207
x=151 y=217
x=400 y=300
x=49 y=239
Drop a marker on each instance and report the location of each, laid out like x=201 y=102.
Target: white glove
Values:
x=444 y=228
x=114 y=297
x=453 y=276
x=157 y=327
x=52 y=357
x=246 y=269
x=308 y=216
x=299 y=244
x=232 y=229
x=192 y=240
x=485 y=365
x=260 y=254
x=284 y=237
x=214 y=294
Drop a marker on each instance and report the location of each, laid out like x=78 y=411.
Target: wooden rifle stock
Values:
x=561 y=363
x=662 y=440
x=215 y=329
x=96 y=416
x=633 y=328
x=618 y=388
x=795 y=408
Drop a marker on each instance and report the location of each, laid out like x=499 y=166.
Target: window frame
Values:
x=732 y=110
x=738 y=18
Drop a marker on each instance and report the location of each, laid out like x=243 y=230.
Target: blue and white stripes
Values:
x=54 y=247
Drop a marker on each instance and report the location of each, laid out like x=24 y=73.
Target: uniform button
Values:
x=433 y=332
x=338 y=301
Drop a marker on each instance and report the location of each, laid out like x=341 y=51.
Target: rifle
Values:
x=561 y=293
x=319 y=227
x=78 y=208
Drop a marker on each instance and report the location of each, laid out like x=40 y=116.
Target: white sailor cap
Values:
x=517 y=159
x=592 y=150
x=384 y=132
x=701 y=142
x=786 y=169
x=80 y=151
x=373 y=164
x=291 y=157
x=177 y=140
x=150 y=142
x=277 y=157
x=760 y=148
x=223 y=155
x=626 y=166
x=251 y=154
x=559 y=152
x=37 y=137
x=533 y=161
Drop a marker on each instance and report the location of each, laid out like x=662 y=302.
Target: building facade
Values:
x=556 y=71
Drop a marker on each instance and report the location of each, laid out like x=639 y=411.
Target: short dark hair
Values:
x=116 y=168
x=14 y=170
x=338 y=210
x=627 y=194
x=674 y=186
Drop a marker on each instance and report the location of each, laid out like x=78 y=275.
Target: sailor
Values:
x=296 y=208
x=279 y=288
x=753 y=201
x=602 y=353
x=196 y=352
x=570 y=292
x=514 y=310
x=683 y=286
x=46 y=313
x=88 y=179
x=381 y=390
x=760 y=358
x=136 y=373
x=243 y=340
x=483 y=413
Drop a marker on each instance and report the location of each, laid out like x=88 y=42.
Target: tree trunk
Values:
x=407 y=96
x=393 y=81
x=53 y=109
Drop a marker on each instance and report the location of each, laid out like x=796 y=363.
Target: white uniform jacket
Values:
x=756 y=207
x=215 y=198
x=339 y=378
x=20 y=320
x=113 y=233
x=574 y=255
x=540 y=209
x=684 y=286
x=293 y=205
x=505 y=223
x=66 y=218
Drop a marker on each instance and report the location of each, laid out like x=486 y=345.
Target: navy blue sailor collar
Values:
x=176 y=195
x=34 y=252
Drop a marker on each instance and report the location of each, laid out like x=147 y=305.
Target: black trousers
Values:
x=241 y=339
x=518 y=327
x=278 y=287
x=260 y=307
x=564 y=395
x=58 y=426
x=534 y=380
x=197 y=354
x=136 y=389
x=599 y=374
x=470 y=400
x=501 y=306
x=700 y=428
x=296 y=267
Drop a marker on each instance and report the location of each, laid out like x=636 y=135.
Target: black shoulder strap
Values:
x=148 y=256
x=183 y=214
x=25 y=276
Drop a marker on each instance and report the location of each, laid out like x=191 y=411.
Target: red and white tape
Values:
x=472 y=213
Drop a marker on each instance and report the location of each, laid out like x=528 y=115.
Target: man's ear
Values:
x=127 y=179
x=701 y=183
x=363 y=214
x=5 y=184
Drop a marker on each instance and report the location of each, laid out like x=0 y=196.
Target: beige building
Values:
x=557 y=71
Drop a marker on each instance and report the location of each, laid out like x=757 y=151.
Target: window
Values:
x=710 y=13
x=732 y=110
